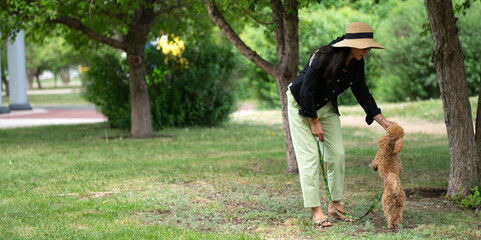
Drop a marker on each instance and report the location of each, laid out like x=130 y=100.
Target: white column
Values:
x=17 y=73
x=2 y=108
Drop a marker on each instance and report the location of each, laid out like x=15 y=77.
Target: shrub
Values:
x=469 y=36
x=107 y=87
x=201 y=92
x=405 y=68
x=472 y=201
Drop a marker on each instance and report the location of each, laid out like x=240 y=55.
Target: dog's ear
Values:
x=398 y=146
x=383 y=142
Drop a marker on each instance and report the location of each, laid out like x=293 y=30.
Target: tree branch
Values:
x=222 y=24
x=252 y=16
x=180 y=4
x=116 y=16
x=277 y=15
x=291 y=37
x=78 y=25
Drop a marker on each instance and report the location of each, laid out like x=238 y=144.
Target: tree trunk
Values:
x=287 y=45
x=286 y=36
x=29 y=78
x=65 y=76
x=133 y=43
x=5 y=82
x=141 y=122
x=478 y=134
x=37 y=77
x=448 y=58
x=282 y=82
x=55 y=76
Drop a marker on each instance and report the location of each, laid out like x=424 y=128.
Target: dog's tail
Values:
x=394 y=183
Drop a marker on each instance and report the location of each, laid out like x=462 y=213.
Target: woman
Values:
x=313 y=112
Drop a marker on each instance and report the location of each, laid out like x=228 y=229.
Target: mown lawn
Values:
x=224 y=182
x=53 y=99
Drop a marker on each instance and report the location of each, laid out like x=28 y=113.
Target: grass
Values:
x=224 y=182
x=74 y=98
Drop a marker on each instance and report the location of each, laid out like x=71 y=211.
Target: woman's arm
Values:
x=363 y=96
x=309 y=89
x=316 y=128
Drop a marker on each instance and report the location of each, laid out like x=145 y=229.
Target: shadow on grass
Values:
x=425 y=192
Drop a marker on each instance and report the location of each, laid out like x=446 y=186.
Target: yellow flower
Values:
x=173 y=50
x=83 y=69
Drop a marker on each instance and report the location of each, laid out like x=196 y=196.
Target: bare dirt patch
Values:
x=425 y=192
x=120 y=137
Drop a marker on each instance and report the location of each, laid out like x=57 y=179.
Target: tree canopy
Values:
x=121 y=24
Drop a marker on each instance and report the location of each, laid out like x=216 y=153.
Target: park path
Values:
x=41 y=116
x=246 y=112
x=51 y=115
x=410 y=125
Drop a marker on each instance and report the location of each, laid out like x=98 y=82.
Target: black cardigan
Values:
x=312 y=91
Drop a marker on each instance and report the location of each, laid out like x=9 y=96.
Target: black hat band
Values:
x=359 y=35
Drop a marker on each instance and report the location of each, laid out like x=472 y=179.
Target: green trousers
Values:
x=305 y=148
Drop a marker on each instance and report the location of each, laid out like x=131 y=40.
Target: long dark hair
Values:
x=337 y=58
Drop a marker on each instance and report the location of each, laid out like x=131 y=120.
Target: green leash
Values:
x=373 y=205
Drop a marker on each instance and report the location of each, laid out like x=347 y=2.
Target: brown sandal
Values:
x=319 y=222
x=344 y=218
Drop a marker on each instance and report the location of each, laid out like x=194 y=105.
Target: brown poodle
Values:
x=389 y=164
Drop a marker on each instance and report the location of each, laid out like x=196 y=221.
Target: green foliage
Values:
x=469 y=36
x=266 y=87
x=461 y=6
x=106 y=85
x=406 y=71
x=3 y=62
x=472 y=201
x=403 y=71
x=261 y=85
x=201 y=94
x=107 y=18
x=52 y=54
x=314 y=31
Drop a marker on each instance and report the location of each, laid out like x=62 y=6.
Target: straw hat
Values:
x=358 y=35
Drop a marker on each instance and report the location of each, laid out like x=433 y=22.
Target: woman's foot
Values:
x=319 y=218
x=333 y=212
x=324 y=222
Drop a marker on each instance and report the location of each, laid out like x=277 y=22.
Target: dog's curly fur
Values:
x=389 y=165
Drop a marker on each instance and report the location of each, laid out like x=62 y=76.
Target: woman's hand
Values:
x=383 y=121
x=386 y=123
x=316 y=129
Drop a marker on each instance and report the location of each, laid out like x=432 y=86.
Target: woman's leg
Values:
x=334 y=156
x=305 y=148
x=333 y=150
